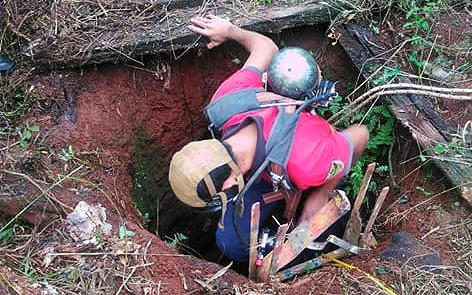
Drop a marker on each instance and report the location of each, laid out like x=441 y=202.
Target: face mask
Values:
x=322 y=93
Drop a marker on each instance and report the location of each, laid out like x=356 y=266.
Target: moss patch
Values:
x=149 y=175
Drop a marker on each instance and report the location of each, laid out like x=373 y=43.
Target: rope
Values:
x=376 y=92
x=453 y=93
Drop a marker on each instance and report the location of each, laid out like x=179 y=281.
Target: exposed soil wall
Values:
x=134 y=119
x=136 y=122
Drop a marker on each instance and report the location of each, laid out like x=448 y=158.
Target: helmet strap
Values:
x=224 y=202
x=210 y=185
x=222 y=195
x=239 y=177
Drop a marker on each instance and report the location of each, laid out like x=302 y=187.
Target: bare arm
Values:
x=261 y=48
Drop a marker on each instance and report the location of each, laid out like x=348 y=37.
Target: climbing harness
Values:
x=280 y=139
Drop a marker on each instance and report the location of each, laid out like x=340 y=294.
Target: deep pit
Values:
x=139 y=116
x=128 y=121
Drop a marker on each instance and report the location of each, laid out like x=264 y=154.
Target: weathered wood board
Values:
x=413 y=111
x=170 y=33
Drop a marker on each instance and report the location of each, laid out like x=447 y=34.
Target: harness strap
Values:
x=254 y=177
x=250 y=99
x=278 y=145
x=237 y=171
x=291 y=196
x=278 y=149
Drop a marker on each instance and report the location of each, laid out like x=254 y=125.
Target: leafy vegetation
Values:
x=14 y=104
x=176 y=240
x=16 y=98
x=125 y=233
x=5 y=236
x=426 y=192
x=380 y=123
x=26 y=134
x=419 y=15
x=68 y=154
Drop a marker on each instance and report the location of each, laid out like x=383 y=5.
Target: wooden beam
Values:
x=172 y=34
x=364 y=240
x=412 y=111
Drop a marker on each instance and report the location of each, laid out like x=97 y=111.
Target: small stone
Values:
x=457 y=204
x=86 y=221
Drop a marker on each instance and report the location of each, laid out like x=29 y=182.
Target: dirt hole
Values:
x=134 y=118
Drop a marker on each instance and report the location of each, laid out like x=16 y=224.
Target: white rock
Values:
x=87 y=222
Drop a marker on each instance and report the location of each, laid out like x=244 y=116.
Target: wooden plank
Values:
x=279 y=241
x=307 y=231
x=170 y=36
x=413 y=111
x=262 y=272
x=354 y=225
x=373 y=216
x=253 y=236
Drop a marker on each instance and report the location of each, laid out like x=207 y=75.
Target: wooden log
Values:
x=171 y=36
x=412 y=111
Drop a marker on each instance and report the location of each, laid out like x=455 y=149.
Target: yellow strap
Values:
x=378 y=282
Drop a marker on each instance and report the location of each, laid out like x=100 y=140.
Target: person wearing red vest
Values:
x=212 y=172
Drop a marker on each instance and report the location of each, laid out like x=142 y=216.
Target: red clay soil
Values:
x=112 y=103
x=99 y=110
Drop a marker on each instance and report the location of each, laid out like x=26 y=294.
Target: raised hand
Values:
x=217 y=29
